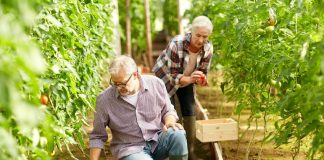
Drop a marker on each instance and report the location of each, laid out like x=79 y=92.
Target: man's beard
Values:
x=126 y=92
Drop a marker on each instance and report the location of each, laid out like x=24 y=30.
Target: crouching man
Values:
x=138 y=111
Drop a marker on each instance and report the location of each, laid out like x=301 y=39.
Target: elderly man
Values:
x=140 y=115
x=183 y=64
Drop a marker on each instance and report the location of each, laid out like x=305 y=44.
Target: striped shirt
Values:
x=175 y=58
x=131 y=125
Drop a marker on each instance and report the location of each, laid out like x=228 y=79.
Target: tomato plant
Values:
x=22 y=125
x=55 y=49
x=278 y=47
x=75 y=40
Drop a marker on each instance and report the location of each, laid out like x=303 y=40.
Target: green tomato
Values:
x=273 y=82
x=316 y=20
x=298 y=86
x=260 y=31
x=270 y=29
x=321 y=148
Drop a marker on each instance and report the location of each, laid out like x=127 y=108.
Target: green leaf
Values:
x=80 y=139
x=8 y=143
x=287 y=32
x=316 y=36
x=54 y=21
x=265 y=94
x=223 y=84
x=36 y=137
x=84 y=99
x=239 y=108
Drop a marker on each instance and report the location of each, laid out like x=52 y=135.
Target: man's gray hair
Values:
x=122 y=63
x=202 y=21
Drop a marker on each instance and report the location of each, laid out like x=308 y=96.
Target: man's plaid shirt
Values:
x=174 y=59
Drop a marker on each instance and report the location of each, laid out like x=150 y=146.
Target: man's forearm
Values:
x=95 y=153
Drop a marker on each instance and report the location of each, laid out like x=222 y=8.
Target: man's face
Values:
x=199 y=37
x=124 y=83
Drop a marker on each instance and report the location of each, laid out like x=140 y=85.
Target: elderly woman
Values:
x=142 y=120
x=183 y=64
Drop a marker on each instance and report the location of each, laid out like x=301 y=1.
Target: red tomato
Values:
x=44 y=99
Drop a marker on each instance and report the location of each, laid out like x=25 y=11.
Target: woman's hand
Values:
x=199 y=78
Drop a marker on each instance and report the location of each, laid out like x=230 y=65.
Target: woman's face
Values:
x=199 y=37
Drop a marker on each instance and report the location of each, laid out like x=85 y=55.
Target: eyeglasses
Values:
x=120 y=85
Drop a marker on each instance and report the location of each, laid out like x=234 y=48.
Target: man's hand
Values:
x=175 y=126
x=170 y=121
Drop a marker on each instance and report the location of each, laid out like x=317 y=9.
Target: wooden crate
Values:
x=216 y=130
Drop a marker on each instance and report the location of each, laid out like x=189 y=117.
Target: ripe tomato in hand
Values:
x=203 y=80
x=44 y=99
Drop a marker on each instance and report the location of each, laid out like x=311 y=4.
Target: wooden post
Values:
x=148 y=33
x=128 y=29
x=218 y=151
x=115 y=19
x=180 y=28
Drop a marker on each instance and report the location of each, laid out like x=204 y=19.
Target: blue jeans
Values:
x=171 y=143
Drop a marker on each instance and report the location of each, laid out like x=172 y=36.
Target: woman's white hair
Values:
x=202 y=21
x=122 y=63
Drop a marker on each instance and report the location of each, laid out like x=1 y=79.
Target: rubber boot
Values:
x=189 y=124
